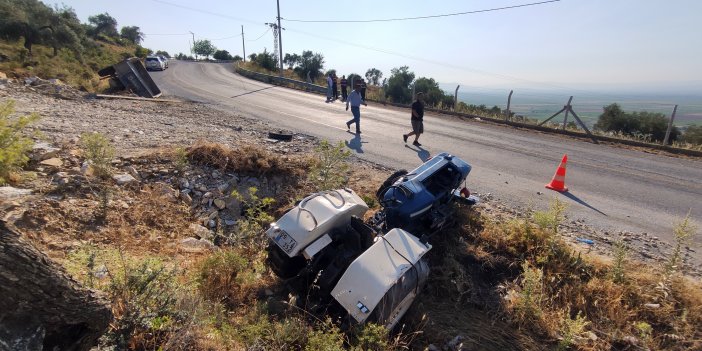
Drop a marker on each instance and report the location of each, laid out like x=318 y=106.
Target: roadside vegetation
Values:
x=51 y=42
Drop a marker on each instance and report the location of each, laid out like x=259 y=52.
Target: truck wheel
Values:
x=388 y=182
x=282 y=265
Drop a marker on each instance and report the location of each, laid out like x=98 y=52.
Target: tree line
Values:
x=59 y=27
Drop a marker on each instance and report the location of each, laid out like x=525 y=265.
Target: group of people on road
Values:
x=333 y=87
x=357 y=98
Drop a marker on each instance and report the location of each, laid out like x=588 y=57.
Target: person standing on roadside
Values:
x=355 y=100
x=335 y=91
x=363 y=89
x=329 y=87
x=343 y=88
x=417 y=120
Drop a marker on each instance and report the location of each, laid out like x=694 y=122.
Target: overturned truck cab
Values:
x=324 y=250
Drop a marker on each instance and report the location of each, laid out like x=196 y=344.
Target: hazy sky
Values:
x=571 y=43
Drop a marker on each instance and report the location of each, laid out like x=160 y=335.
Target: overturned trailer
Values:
x=130 y=74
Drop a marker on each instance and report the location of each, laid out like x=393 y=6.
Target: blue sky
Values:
x=578 y=44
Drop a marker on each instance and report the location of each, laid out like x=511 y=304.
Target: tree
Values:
x=133 y=34
x=266 y=60
x=432 y=93
x=204 y=47
x=222 y=55
x=28 y=19
x=162 y=53
x=398 y=85
x=310 y=62
x=237 y=58
x=142 y=52
x=291 y=60
x=693 y=135
x=647 y=124
x=41 y=306
x=614 y=119
x=67 y=32
x=373 y=76
x=103 y=24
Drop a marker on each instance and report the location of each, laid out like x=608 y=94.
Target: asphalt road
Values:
x=611 y=189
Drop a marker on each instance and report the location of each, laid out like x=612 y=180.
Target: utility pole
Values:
x=280 y=40
x=192 y=48
x=243 y=45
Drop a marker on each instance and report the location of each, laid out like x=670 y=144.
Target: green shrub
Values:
x=99 y=153
x=531 y=295
x=683 y=231
x=255 y=217
x=551 y=219
x=618 y=272
x=330 y=170
x=646 y=125
x=229 y=278
x=328 y=337
x=693 y=135
x=571 y=329
x=372 y=337
x=14 y=145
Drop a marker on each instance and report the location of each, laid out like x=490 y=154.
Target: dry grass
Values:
x=247 y=159
x=584 y=285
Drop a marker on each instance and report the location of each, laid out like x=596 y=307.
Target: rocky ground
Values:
x=143 y=130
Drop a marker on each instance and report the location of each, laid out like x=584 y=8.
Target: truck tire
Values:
x=388 y=182
x=282 y=265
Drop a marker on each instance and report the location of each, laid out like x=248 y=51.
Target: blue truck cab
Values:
x=420 y=198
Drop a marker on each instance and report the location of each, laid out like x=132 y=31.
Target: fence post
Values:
x=670 y=126
x=565 y=119
x=509 y=102
x=455 y=98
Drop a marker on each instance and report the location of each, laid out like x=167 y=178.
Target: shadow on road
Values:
x=251 y=92
x=421 y=153
x=578 y=200
x=355 y=143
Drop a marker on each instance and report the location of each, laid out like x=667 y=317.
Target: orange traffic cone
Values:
x=558 y=181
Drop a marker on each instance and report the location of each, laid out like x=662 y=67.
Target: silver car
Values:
x=153 y=63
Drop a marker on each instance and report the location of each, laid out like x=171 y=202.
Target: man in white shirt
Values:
x=329 y=87
x=355 y=100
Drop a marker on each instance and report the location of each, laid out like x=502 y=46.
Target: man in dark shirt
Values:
x=335 y=91
x=417 y=120
x=363 y=90
x=343 y=88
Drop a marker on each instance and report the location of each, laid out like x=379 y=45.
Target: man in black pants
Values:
x=343 y=88
x=417 y=120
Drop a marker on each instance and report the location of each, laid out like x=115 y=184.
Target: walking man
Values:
x=343 y=88
x=417 y=120
x=329 y=87
x=355 y=100
x=335 y=91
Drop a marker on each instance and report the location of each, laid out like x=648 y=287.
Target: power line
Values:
x=233 y=36
x=421 y=17
x=168 y=34
x=205 y=11
x=582 y=92
x=261 y=36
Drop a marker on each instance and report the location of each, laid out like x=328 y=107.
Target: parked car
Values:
x=164 y=59
x=153 y=63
